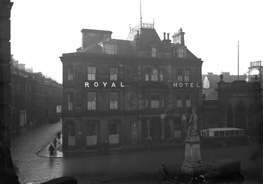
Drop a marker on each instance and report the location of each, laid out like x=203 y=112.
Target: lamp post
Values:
x=203 y=99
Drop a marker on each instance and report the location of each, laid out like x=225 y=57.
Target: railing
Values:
x=143 y=25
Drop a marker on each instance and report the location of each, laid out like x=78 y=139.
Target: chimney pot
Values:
x=164 y=36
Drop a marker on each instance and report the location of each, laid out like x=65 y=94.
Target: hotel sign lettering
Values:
x=186 y=85
x=94 y=84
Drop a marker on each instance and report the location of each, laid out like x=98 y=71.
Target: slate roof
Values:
x=211 y=93
x=214 y=79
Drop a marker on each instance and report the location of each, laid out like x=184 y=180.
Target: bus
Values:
x=224 y=136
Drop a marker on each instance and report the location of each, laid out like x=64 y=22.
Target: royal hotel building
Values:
x=123 y=91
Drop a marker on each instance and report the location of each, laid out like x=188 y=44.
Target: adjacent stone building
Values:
x=124 y=92
x=34 y=98
x=231 y=101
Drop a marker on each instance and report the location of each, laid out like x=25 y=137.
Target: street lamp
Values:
x=203 y=98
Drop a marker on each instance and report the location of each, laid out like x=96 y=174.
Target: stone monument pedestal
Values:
x=192 y=164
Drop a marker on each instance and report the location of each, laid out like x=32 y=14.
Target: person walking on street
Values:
x=51 y=150
x=55 y=142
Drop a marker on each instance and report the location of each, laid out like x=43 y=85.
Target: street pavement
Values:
x=35 y=165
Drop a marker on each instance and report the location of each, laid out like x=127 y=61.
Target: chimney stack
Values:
x=164 y=35
x=179 y=37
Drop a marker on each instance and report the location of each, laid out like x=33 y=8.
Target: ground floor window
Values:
x=91 y=133
x=71 y=134
x=113 y=132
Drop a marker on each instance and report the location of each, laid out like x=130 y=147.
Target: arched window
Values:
x=154 y=75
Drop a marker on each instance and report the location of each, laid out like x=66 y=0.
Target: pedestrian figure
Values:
x=55 y=142
x=51 y=149
x=59 y=135
x=164 y=172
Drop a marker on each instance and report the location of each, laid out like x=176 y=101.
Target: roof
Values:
x=211 y=94
x=213 y=79
x=223 y=129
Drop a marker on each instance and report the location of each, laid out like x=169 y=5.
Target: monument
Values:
x=192 y=164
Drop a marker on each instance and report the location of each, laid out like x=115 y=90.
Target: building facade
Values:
x=126 y=91
x=211 y=106
x=34 y=98
x=228 y=102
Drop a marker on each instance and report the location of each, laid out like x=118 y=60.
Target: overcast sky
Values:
x=42 y=30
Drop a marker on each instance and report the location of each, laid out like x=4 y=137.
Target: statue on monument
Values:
x=192 y=124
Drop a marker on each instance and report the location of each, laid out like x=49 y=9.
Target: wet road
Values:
x=131 y=167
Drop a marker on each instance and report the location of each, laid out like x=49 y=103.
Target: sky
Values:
x=42 y=30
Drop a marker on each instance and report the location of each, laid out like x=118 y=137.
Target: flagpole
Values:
x=238 y=60
x=140 y=13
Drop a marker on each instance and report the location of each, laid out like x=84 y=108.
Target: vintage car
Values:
x=224 y=171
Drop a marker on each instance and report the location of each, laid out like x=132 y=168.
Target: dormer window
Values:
x=110 y=49
x=154 y=52
x=181 y=52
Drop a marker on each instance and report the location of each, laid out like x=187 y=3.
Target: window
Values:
x=146 y=100
x=221 y=133
x=114 y=74
x=91 y=101
x=216 y=133
x=179 y=100
x=113 y=100
x=69 y=101
x=71 y=133
x=181 y=52
x=162 y=103
x=70 y=74
x=91 y=73
x=110 y=49
x=146 y=75
x=91 y=133
x=154 y=76
x=180 y=76
x=226 y=133
x=91 y=128
x=183 y=75
x=113 y=127
x=113 y=132
x=161 y=75
x=154 y=52
x=155 y=103
x=188 y=100
x=186 y=75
